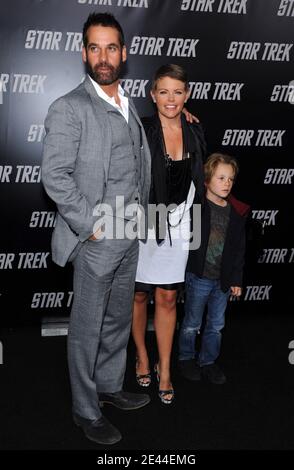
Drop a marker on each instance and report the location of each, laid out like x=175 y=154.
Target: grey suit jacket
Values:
x=76 y=157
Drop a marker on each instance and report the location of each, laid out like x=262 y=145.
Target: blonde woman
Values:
x=177 y=150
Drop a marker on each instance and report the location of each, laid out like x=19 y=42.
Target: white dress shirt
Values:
x=124 y=102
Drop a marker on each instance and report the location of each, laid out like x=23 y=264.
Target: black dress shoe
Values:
x=99 y=430
x=213 y=374
x=190 y=369
x=124 y=400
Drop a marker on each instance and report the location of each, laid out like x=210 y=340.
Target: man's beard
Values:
x=109 y=75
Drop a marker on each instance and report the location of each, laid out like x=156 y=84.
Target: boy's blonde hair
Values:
x=212 y=162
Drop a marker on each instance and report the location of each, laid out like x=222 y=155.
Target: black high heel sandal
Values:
x=144 y=380
x=163 y=393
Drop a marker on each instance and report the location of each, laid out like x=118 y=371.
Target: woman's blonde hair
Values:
x=172 y=71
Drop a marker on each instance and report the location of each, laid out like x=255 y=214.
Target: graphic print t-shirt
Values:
x=219 y=219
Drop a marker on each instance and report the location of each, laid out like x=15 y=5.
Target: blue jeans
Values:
x=199 y=293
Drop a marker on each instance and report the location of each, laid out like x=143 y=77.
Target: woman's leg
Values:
x=164 y=324
x=139 y=330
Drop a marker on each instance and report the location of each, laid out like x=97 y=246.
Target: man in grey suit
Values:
x=96 y=161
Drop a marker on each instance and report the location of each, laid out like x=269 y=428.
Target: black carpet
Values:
x=253 y=410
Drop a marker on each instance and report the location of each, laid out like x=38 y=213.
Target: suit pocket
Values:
x=75 y=252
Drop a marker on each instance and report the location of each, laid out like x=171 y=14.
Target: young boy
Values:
x=214 y=271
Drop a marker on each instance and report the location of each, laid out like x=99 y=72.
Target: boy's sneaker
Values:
x=190 y=369
x=213 y=374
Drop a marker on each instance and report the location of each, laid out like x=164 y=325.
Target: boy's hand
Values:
x=237 y=291
x=190 y=117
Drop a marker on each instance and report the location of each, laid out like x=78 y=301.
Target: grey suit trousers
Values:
x=100 y=321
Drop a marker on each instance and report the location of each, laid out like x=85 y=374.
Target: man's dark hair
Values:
x=102 y=19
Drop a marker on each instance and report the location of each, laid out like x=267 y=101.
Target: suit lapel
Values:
x=102 y=122
x=134 y=111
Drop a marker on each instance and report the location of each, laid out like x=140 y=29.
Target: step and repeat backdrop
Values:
x=240 y=58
